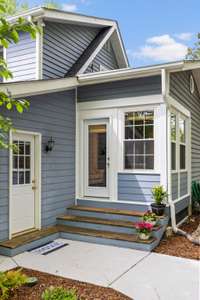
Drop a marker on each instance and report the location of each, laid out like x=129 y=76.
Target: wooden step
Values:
x=29 y=237
x=104 y=234
x=118 y=223
x=108 y=210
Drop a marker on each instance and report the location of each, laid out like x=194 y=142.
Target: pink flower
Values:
x=144 y=225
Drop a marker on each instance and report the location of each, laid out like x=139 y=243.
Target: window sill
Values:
x=139 y=171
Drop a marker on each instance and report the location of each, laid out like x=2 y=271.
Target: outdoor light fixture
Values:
x=50 y=145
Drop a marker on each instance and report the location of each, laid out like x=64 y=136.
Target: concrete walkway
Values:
x=138 y=274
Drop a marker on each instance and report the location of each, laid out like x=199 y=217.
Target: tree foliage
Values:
x=9 y=33
x=194 y=53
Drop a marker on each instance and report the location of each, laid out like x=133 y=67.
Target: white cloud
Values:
x=185 y=36
x=162 y=48
x=69 y=7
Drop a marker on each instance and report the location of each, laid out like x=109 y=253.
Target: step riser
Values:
x=110 y=242
x=114 y=205
x=118 y=229
x=98 y=226
x=29 y=246
x=108 y=216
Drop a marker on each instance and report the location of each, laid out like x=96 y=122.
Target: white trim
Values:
x=121 y=102
x=93 y=199
x=37 y=161
x=30 y=88
x=39 y=52
x=178 y=106
x=182 y=221
x=181 y=198
x=61 y=16
x=163 y=148
x=96 y=51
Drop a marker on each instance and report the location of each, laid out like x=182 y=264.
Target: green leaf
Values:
x=19 y=108
x=9 y=106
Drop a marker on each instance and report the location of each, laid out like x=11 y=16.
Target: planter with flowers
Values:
x=160 y=200
x=150 y=217
x=144 y=230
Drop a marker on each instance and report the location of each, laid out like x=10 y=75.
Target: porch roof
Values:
x=28 y=88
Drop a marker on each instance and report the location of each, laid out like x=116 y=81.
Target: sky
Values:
x=154 y=31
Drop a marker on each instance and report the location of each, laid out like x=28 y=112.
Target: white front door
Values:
x=23 y=184
x=96 y=158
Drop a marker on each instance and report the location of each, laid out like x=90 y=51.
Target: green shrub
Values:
x=10 y=280
x=59 y=293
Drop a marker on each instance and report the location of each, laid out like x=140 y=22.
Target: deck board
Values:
x=108 y=210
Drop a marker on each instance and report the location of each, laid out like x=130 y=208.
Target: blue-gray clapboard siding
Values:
x=106 y=58
x=180 y=90
x=136 y=187
x=63 y=44
x=21 y=58
x=174 y=186
x=51 y=115
x=183 y=183
x=121 y=89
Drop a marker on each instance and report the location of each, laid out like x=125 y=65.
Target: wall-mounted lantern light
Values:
x=50 y=145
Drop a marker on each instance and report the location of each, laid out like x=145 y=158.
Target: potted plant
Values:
x=160 y=199
x=144 y=230
x=150 y=217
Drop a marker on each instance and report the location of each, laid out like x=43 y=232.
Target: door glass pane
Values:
x=97 y=155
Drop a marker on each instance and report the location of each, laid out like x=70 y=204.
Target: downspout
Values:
x=176 y=230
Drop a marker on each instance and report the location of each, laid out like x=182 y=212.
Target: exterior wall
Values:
x=106 y=58
x=174 y=185
x=21 y=58
x=180 y=90
x=121 y=89
x=62 y=45
x=51 y=115
x=136 y=187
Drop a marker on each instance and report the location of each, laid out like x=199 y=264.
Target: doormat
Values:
x=49 y=247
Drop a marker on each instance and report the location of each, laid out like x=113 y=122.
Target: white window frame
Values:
x=187 y=118
x=157 y=137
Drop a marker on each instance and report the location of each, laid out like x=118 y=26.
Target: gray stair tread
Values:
x=119 y=223
x=104 y=234
x=106 y=210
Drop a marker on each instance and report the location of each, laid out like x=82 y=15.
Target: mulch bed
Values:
x=85 y=291
x=177 y=245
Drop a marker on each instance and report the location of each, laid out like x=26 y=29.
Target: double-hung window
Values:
x=139 y=140
x=182 y=142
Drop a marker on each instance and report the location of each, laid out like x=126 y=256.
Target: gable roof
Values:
x=60 y=16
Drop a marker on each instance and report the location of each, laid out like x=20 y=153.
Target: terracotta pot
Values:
x=144 y=236
x=158 y=209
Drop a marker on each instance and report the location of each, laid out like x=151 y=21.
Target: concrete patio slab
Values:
x=140 y=275
x=92 y=263
x=162 y=277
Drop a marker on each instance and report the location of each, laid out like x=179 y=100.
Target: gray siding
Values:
x=174 y=186
x=63 y=44
x=51 y=115
x=136 y=187
x=120 y=89
x=180 y=90
x=106 y=57
x=21 y=58
x=181 y=205
x=183 y=184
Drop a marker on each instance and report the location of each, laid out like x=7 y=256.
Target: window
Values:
x=22 y=163
x=139 y=140
x=173 y=141
x=182 y=142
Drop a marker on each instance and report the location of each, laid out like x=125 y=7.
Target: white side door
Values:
x=23 y=184
x=96 y=158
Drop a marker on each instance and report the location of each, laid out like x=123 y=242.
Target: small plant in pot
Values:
x=150 y=217
x=160 y=200
x=144 y=230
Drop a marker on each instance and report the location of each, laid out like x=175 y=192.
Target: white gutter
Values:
x=37 y=87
